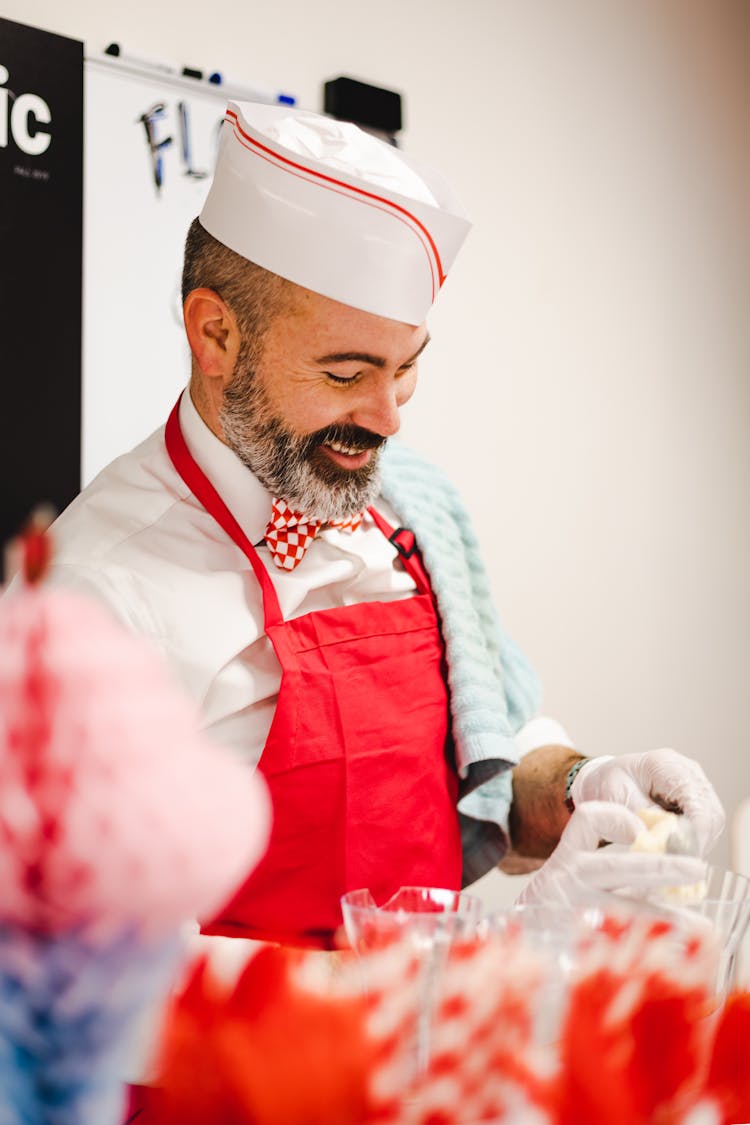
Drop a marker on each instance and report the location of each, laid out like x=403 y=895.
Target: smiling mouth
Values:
x=348 y=456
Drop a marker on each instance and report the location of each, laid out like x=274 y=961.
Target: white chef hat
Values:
x=331 y=208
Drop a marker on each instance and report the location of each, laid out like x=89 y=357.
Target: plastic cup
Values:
x=429 y=919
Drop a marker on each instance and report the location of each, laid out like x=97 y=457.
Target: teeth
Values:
x=338 y=447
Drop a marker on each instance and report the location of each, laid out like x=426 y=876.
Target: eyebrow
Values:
x=366 y=357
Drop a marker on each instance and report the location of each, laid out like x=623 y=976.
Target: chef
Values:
x=316 y=586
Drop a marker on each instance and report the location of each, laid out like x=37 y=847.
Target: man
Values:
x=316 y=587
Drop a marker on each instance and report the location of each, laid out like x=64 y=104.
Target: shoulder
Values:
x=131 y=536
x=138 y=541
x=127 y=498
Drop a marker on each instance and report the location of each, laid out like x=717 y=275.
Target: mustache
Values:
x=354 y=436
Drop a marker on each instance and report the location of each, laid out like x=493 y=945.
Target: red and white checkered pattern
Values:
x=290 y=533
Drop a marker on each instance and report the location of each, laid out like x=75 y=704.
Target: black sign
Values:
x=41 y=238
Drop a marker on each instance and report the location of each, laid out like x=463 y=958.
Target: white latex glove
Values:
x=661 y=777
x=578 y=867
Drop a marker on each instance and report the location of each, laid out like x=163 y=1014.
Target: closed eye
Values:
x=341 y=379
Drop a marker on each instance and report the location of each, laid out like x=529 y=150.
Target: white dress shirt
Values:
x=137 y=539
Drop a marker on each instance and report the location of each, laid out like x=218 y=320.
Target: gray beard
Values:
x=293 y=467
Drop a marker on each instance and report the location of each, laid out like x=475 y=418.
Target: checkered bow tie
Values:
x=290 y=533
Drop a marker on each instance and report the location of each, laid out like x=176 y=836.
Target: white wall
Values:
x=588 y=382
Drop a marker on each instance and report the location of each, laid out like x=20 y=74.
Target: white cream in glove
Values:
x=578 y=867
x=661 y=777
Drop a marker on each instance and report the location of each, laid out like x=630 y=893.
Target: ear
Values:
x=213 y=334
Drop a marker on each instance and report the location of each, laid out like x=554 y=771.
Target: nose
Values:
x=381 y=400
x=378 y=410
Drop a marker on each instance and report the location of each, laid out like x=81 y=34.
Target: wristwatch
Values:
x=572 y=774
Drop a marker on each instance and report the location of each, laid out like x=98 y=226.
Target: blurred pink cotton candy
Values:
x=114 y=809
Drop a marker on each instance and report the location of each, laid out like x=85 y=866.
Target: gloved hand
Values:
x=661 y=777
x=578 y=867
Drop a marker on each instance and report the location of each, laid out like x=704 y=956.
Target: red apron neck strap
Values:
x=204 y=491
x=404 y=541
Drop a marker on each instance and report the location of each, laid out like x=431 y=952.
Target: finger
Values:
x=707 y=825
x=606 y=779
x=594 y=821
x=708 y=828
x=671 y=780
x=636 y=869
x=679 y=783
x=703 y=809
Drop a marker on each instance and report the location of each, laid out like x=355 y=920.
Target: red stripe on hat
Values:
x=387 y=204
x=278 y=162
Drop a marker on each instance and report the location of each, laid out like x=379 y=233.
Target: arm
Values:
x=538 y=813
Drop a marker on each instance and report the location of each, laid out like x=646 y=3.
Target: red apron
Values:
x=362 y=790
x=362 y=785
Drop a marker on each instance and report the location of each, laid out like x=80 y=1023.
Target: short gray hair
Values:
x=255 y=295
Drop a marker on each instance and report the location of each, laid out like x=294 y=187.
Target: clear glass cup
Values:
x=423 y=915
x=717 y=909
x=429 y=919
x=721 y=907
x=555 y=934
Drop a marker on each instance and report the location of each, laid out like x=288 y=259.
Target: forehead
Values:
x=311 y=325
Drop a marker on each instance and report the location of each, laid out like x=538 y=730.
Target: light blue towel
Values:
x=493 y=688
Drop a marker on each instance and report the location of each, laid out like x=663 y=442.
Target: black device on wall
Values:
x=372 y=107
x=41 y=235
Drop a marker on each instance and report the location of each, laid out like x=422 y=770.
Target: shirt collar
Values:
x=241 y=491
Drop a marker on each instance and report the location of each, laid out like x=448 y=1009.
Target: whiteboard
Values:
x=135 y=355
